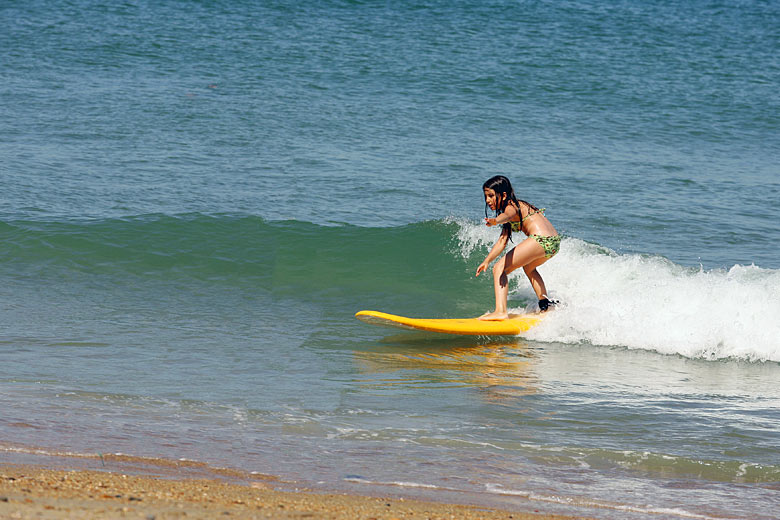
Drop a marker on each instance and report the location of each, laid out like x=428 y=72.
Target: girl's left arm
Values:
x=495 y=251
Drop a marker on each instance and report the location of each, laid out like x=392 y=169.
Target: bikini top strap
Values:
x=532 y=210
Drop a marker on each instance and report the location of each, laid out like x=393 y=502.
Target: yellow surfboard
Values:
x=516 y=324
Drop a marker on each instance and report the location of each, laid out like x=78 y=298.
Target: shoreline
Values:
x=155 y=489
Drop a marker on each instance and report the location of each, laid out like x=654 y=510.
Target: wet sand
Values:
x=35 y=492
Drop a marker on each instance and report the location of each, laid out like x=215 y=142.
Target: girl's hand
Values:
x=490 y=222
x=482 y=267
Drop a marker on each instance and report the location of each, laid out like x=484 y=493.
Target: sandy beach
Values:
x=28 y=492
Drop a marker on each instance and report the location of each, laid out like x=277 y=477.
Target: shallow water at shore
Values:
x=427 y=417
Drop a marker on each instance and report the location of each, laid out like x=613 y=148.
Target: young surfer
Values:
x=542 y=243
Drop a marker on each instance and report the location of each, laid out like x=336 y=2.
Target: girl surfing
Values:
x=543 y=243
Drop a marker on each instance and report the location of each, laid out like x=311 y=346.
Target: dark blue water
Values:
x=197 y=197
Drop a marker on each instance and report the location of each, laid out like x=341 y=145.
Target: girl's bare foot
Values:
x=494 y=316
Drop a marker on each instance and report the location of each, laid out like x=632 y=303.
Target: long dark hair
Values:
x=501 y=184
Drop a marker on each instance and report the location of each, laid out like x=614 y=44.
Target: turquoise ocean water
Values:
x=197 y=196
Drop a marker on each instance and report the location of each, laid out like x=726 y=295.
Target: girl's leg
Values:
x=535 y=278
x=528 y=252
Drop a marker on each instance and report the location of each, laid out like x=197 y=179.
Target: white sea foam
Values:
x=398 y=483
x=648 y=302
x=600 y=504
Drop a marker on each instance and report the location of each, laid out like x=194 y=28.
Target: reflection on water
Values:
x=500 y=368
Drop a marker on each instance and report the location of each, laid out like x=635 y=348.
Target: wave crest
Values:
x=648 y=302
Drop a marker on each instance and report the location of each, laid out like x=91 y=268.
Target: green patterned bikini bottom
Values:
x=551 y=245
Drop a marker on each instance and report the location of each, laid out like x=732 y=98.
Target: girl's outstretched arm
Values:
x=509 y=213
x=496 y=250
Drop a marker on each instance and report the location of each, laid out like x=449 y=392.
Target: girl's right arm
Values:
x=496 y=250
